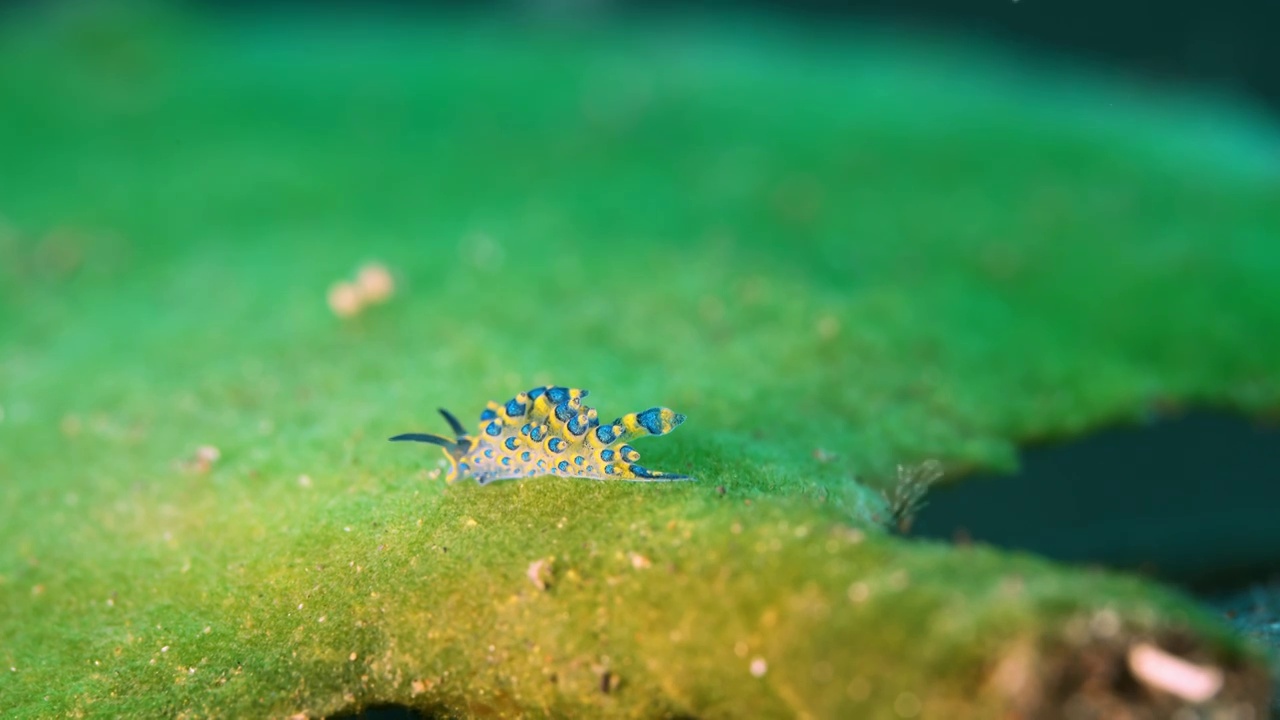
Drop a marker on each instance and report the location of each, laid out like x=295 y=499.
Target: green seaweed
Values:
x=833 y=257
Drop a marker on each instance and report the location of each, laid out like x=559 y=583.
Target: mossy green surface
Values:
x=846 y=248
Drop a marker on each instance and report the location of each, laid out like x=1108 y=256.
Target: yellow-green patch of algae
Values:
x=769 y=240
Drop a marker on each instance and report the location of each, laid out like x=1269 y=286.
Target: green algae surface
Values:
x=833 y=257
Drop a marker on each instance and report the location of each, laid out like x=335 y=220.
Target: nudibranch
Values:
x=548 y=431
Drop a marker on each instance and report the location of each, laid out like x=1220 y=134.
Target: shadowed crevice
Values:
x=388 y=712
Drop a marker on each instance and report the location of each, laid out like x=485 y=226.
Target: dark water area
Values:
x=1193 y=501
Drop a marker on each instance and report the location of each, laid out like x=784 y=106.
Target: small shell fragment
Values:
x=1174 y=675
x=375 y=283
x=539 y=573
x=344 y=299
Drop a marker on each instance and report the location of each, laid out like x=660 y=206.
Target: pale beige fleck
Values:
x=344 y=299
x=1174 y=675
x=375 y=283
x=539 y=573
x=1014 y=675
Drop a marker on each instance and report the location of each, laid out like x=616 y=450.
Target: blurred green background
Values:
x=836 y=251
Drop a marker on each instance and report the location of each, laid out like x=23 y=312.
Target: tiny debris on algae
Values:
x=1180 y=678
x=203 y=460
x=344 y=299
x=374 y=285
x=539 y=573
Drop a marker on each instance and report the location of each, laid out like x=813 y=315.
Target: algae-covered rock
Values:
x=834 y=258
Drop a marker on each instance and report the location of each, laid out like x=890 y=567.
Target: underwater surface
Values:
x=239 y=253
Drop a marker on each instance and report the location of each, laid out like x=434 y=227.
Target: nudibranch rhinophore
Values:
x=548 y=431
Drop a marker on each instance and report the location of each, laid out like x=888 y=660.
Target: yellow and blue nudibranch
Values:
x=548 y=431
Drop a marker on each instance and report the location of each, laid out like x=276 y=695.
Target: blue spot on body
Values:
x=536 y=393
x=556 y=445
x=558 y=395
x=604 y=434
x=524 y=456
x=493 y=428
x=506 y=460
x=628 y=453
x=608 y=469
x=576 y=426
x=536 y=434
x=514 y=409
x=524 y=429
x=510 y=443
x=642 y=472
x=563 y=466
x=606 y=454
x=488 y=452
x=488 y=415
x=542 y=464
x=579 y=459
x=651 y=420
x=563 y=413
x=464 y=468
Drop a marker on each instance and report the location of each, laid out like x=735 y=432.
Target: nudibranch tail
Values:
x=548 y=431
